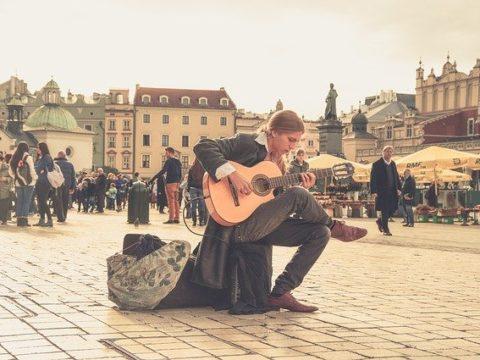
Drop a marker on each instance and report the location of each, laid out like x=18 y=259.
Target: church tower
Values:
x=15 y=114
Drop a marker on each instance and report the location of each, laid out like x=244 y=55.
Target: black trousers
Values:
x=60 y=202
x=385 y=215
x=4 y=209
x=100 y=200
x=43 y=192
x=272 y=223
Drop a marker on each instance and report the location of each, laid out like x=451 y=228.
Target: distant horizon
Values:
x=259 y=52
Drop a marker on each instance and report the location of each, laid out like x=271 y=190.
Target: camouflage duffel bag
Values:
x=141 y=284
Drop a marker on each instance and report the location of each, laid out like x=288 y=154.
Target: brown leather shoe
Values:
x=343 y=232
x=287 y=301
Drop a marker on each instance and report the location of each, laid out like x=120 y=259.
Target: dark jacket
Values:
x=101 y=184
x=431 y=196
x=173 y=169
x=297 y=168
x=408 y=189
x=212 y=257
x=387 y=199
x=42 y=167
x=195 y=176
x=68 y=172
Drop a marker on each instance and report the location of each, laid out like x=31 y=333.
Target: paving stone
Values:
x=383 y=299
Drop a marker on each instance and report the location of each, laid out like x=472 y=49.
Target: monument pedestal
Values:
x=331 y=132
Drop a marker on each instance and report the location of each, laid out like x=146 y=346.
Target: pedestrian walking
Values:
x=408 y=195
x=43 y=166
x=6 y=186
x=22 y=170
x=195 y=188
x=67 y=188
x=385 y=186
x=173 y=170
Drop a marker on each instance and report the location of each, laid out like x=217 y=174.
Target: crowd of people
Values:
x=50 y=187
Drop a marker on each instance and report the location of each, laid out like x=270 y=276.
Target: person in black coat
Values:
x=67 y=188
x=408 y=194
x=385 y=185
x=100 y=188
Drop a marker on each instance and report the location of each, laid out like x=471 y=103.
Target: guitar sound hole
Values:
x=260 y=185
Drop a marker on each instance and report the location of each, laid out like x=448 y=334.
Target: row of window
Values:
x=185 y=120
x=146 y=161
x=185 y=100
x=112 y=159
x=112 y=125
x=112 y=141
x=146 y=140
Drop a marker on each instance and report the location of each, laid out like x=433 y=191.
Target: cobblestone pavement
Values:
x=414 y=295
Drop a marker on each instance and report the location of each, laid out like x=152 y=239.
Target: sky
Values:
x=260 y=51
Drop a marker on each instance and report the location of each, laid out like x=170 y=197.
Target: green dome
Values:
x=52 y=116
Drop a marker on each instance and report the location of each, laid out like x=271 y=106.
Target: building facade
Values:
x=452 y=90
x=89 y=112
x=119 y=131
x=49 y=123
x=445 y=113
x=178 y=118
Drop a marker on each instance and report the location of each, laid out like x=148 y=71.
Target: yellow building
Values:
x=177 y=118
x=452 y=90
x=119 y=126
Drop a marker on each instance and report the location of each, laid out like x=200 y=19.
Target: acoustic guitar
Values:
x=229 y=207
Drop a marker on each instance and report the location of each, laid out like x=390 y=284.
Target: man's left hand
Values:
x=399 y=192
x=308 y=180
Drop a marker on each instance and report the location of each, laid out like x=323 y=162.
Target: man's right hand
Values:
x=240 y=183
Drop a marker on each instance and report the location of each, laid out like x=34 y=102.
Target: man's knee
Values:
x=298 y=193
x=320 y=235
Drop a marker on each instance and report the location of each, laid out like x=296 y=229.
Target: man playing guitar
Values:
x=272 y=222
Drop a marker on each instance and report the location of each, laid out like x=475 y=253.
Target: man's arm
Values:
x=73 y=183
x=160 y=173
x=373 y=179
x=214 y=154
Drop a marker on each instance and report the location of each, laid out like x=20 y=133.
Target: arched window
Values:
x=163 y=99
x=52 y=97
x=185 y=100
x=119 y=99
x=145 y=99
x=203 y=101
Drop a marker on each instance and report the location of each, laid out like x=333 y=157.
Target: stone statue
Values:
x=331 y=109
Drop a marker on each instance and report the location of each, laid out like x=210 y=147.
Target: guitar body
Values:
x=220 y=198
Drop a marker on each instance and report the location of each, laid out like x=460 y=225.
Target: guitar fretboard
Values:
x=295 y=179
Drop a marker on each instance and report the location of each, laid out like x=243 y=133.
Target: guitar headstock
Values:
x=343 y=170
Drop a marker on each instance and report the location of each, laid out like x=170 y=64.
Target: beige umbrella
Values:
x=428 y=176
x=328 y=161
x=435 y=157
x=474 y=163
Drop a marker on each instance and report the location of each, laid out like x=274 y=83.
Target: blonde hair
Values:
x=284 y=121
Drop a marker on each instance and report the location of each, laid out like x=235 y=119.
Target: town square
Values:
x=240 y=180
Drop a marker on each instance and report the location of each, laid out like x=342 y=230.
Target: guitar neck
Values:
x=296 y=179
